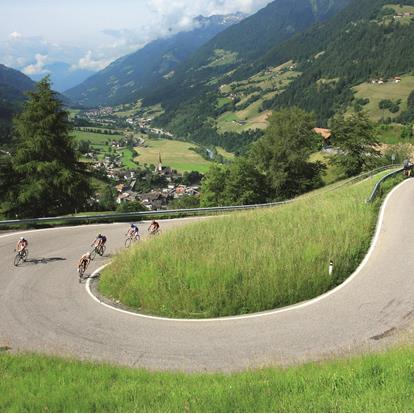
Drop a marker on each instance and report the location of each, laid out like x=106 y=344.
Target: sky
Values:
x=90 y=34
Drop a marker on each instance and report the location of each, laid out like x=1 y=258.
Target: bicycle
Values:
x=98 y=250
x=21 y=257
x=131 y=239
x=154 y=233
x=82 y=269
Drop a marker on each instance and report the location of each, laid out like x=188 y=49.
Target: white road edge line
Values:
x=269 y=313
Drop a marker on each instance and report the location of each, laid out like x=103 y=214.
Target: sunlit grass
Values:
x=247 y=262
x=376 y=383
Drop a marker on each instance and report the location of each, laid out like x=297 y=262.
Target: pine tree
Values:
x=48 y=177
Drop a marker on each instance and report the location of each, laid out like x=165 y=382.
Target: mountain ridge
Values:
x=189 y=98
x=123 y=80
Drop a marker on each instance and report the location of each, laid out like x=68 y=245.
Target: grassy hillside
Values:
x=389 y=90
x=355 y=47
x=373 y=383
x=251 y=93
x=265 y=263
x=333 y=173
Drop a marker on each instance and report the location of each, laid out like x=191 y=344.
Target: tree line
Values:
x=277 y=167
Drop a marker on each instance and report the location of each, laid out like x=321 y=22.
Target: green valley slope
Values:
x=189 y=97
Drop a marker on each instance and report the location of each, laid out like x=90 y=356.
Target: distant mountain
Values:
x=63 y=76
x=187 y=96
x=124 y=80
x=13 y=86
x=364 y=43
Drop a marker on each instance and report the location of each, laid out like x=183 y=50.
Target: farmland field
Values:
x=175 y=154
x=94 y=138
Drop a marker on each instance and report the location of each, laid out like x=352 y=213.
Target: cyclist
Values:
x=154 y=227
x=133 y=232
x=407 y=168
x=85 y=260
x=21 y=245
x=99 y=241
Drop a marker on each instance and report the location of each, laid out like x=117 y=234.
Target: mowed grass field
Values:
x=247 y=262
x=373 y=383
x=390 y=90
x=94 y=138
x=175 y=154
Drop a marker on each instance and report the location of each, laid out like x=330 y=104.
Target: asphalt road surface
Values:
x=43 y=308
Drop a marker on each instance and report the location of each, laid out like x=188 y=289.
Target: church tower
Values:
x=159 y=168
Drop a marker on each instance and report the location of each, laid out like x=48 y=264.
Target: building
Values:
x=167 y=172
x=326 y=134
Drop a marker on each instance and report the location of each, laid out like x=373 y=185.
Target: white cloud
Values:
x=89 y=62
x=15 y=35
x=180 y=13
x=170 y=17
x=141 y=24
x=38 y=67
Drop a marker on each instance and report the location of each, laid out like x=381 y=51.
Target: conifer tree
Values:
x=48 y=178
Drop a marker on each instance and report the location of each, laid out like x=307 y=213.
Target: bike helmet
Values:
x=99 y=236
x=88 y=254
x=21 y=238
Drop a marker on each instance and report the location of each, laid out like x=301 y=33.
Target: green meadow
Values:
x=247 y=262
x=372 y=383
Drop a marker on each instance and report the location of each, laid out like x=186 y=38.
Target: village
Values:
x=107 y=117
x=162 y=184
x=382 y=81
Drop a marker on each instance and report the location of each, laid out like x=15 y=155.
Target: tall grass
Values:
x=376 y=383
x=250 y=261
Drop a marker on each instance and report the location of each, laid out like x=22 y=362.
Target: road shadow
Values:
x=45 y=260
x=84 y=278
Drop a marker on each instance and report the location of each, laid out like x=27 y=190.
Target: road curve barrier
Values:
x=377 y=187
x=185 y=212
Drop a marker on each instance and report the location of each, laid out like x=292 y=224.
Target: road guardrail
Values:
x=377 y=187
x=178 y=212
